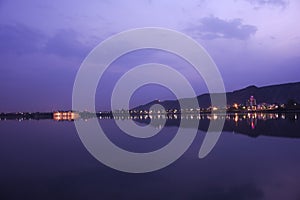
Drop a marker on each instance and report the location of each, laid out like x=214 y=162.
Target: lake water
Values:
x=256 y=157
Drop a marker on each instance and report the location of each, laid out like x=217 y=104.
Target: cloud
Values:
x=212 y=28
x=281 y=3
x=20 y=39
x=65 y=43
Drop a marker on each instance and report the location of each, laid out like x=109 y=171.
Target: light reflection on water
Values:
x=46 y=160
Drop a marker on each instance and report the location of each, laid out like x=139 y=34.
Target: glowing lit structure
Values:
x=251 y=104
x=65 y=116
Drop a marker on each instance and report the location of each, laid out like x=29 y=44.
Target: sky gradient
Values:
x=42 y=44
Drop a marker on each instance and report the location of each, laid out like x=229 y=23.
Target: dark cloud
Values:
x=20 y=39
x=213 y=27
x=66 y=43
x=281 y=3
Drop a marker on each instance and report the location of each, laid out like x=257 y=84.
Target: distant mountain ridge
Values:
x=279 y=94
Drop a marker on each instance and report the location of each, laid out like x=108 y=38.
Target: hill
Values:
x=279 y=94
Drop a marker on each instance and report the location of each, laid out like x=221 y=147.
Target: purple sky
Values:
x=42 y=44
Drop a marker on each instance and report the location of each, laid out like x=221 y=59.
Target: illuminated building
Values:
x=65 y=116
x=251 y=104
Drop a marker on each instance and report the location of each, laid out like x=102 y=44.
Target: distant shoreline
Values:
x=72 y=115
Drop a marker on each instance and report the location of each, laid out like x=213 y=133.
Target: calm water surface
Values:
x=254 y=159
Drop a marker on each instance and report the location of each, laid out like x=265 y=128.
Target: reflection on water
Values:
x=45 y=159
x=251 y=124
x=251 y=118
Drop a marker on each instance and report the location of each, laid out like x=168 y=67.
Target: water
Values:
x=257 y=157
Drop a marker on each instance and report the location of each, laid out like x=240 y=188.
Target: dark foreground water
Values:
x=255 y=158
